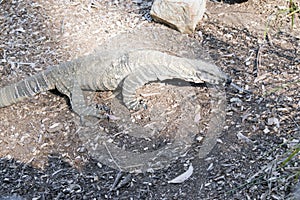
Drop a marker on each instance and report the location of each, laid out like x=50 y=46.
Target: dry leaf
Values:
x=182 y=177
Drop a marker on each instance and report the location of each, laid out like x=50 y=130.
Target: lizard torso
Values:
x=129 y=68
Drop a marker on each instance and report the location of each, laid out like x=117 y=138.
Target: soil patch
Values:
x=42 y=155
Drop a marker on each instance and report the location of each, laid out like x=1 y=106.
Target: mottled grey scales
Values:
x=128 y=61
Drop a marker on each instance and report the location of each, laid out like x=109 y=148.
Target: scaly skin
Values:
x=108 y=71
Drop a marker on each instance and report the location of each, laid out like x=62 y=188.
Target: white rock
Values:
x=182 y=15
x=273 y=121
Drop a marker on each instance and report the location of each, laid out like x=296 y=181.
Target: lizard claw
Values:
x=103 y=107
x=107 y=111
x=137 y=105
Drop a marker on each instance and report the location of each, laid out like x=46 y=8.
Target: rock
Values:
x=182 y=15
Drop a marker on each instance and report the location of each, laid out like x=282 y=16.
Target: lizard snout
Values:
x=217 y=77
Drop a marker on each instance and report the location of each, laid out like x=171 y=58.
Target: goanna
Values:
x=103 y=72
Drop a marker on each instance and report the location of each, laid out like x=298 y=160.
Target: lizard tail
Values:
x=25 y=88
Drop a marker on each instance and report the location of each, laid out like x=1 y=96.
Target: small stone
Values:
x=150 y=170
x=110 y=140
x=236 y=100
x=266 y=130
x=182 y=15
x=55 y=127
x=273 y=121
x=199 y=138
x=81 y=149
x=248 y=63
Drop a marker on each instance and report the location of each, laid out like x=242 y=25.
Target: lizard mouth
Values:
x=213 y=78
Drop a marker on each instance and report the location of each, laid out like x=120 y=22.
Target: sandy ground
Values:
x=39 y=137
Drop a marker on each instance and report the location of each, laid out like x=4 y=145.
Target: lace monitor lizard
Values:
x=95 y=72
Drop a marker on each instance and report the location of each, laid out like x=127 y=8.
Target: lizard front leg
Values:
x=131 y=83
x=79 y=105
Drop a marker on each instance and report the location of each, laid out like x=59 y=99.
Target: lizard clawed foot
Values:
x=107 y=113
x=98 y=112
x=137 y=105
x=103 y=107
x=91 y=121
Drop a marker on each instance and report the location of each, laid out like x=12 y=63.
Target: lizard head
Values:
x=210 y=73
